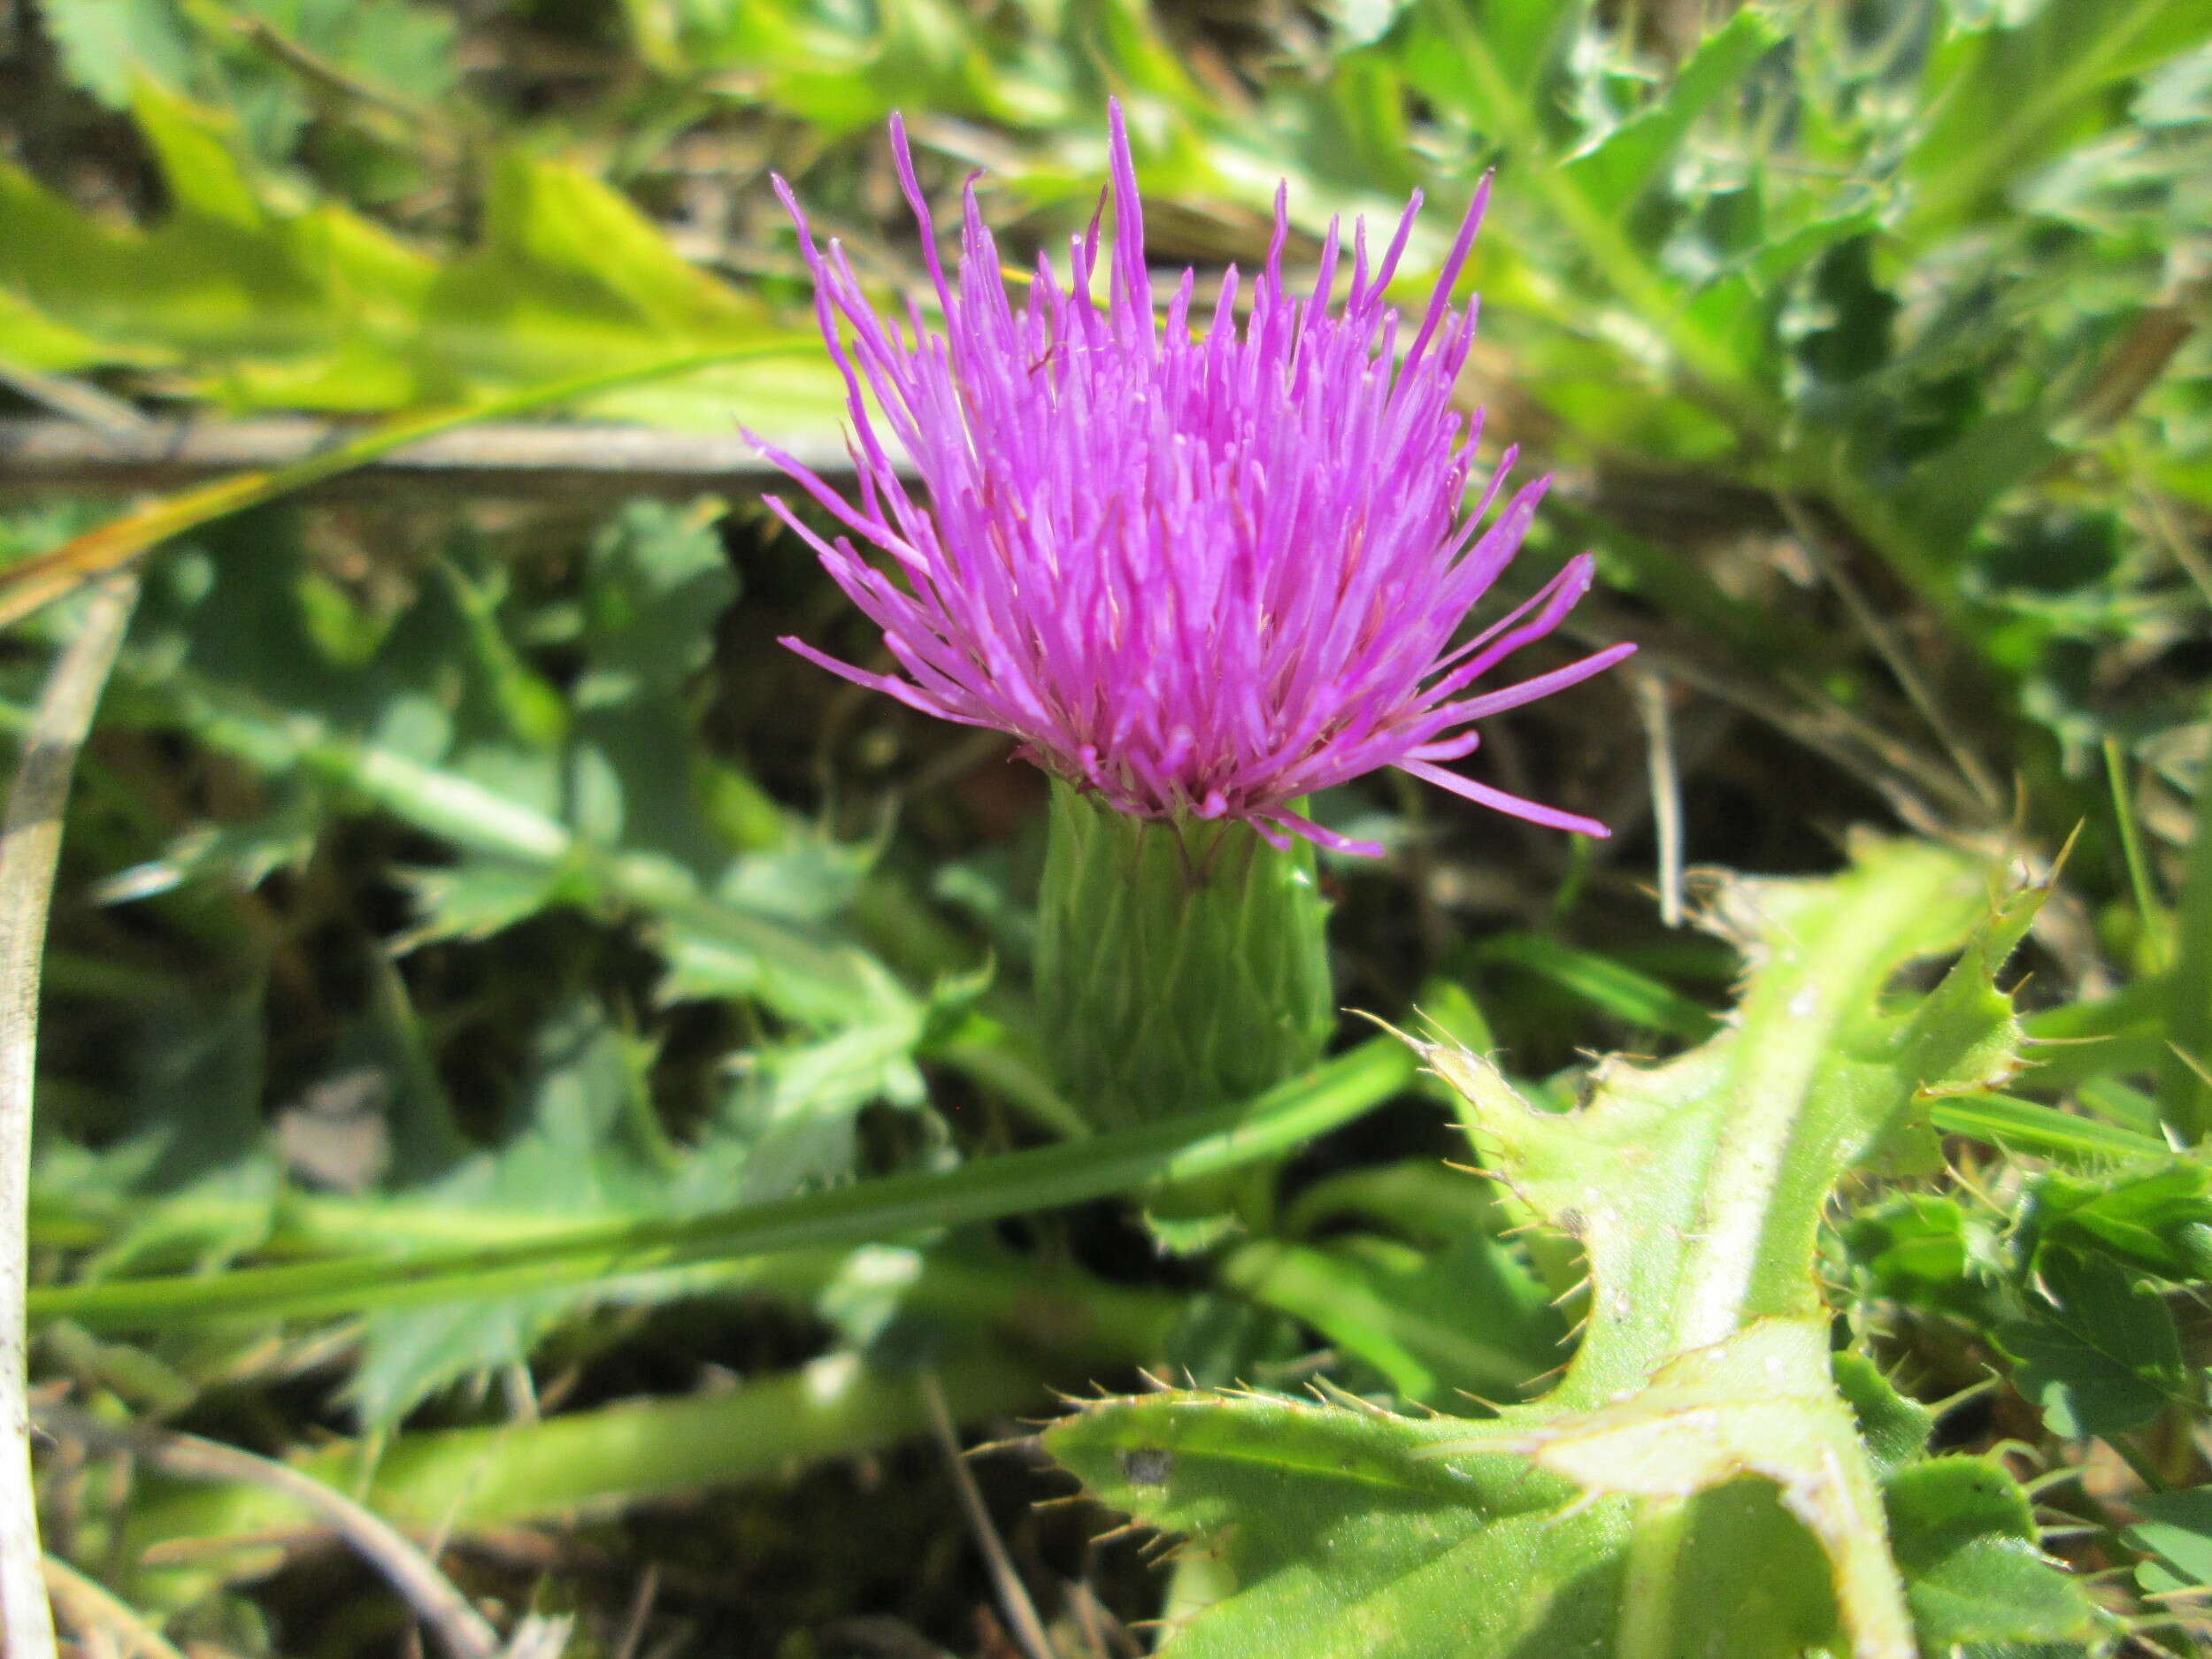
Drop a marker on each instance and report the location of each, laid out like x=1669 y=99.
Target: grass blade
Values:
x=1205 y=1143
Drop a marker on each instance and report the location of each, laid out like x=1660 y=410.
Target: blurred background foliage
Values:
x=458 y=860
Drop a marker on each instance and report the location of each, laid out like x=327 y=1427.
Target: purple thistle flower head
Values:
x=1196 y=570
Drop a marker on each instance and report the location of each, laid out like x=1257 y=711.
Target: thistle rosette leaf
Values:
x=1706 y=1477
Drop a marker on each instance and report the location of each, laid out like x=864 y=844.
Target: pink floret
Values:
x=1199 y=571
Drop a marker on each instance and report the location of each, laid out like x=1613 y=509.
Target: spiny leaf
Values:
x=1695 y=1189
x=1345 y=1542
x=2158 y=1222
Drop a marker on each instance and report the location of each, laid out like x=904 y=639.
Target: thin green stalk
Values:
x=888 y=1208
x=839 y=1406
x=1654 y=1567
x=2027 y=1126
x=2184 y=1094
x=2147 y=907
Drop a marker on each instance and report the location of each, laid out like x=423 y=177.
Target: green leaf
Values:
x=1759 y=1403
x=30 y=338
x=477 y=897
x=1520 y=42
x=194 y=146
x=582 y=1142
x=2122 y=1035
x=568 y=271
x=1926 y=1250
x=1345 y=1542
x=571 y=1151
x=1439 y=1325
x=1614 y=172
x=1894 y=1428
x=2098 y=1352
x=2157 y=1222
x=1965 y=1539
x=193 y=1134
x=265 y=305
x=2007 y=95
x=106 y=45
x=2033 y=1127
x=656 y=584
x=439 y=724
x=2174 y=1535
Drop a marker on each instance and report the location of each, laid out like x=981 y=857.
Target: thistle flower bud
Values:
x=1180 y=965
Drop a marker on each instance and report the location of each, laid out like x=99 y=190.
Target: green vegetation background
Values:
x=460 y=874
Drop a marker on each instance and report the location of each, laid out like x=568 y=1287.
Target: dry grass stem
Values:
x=30 y=847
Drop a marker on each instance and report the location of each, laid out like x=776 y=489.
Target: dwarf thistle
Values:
x=1199 y=571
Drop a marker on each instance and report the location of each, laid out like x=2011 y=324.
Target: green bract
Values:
x=1180 y=965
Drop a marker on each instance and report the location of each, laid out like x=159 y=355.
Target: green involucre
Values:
x=1180 y=965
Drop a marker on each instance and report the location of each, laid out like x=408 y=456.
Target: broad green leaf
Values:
x=105 y=43
x=1345 y=1542
x=402 y=54
x=1965 y=1539
x=2175 y=1537
x=1926 y=1250
x=30 y=338
x=2156 y=1222
x=436 y=725
x=193 y=146
x=261 y=305
x=1490 y=62
x=1760 y=1402
x=1742 y=307
x=2098 y=1351
x=570 y=1150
